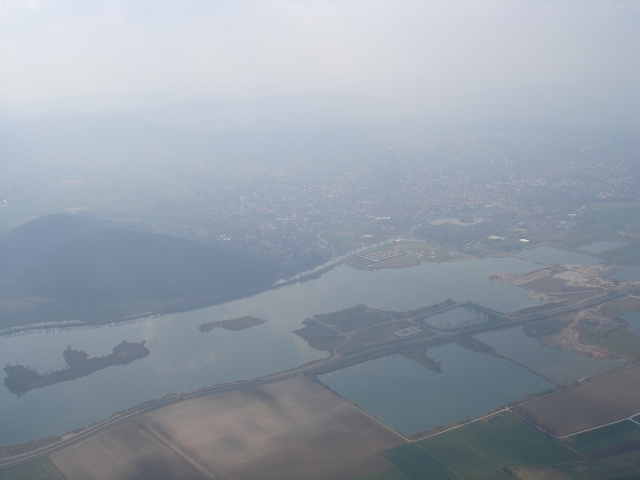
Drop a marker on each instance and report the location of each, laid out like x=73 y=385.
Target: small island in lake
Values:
x=20 y=379
x=235 y=324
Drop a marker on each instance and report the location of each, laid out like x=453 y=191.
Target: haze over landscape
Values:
x=358 y=240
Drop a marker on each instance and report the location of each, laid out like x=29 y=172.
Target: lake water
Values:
x=627 y=272
x=411 y=398
x=600 y=247
x=458 y=317
x=561 y=366
x=553 y=256
x=182 y=358
x=633 y=318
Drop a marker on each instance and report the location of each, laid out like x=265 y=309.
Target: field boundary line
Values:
x=167 y=444
x=506 y=409
x=630 y=418
x=377 y=420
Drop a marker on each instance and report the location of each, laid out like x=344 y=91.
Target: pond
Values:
x=627 y=272
x=411 y=398
x=560 y=366
x=182 y=358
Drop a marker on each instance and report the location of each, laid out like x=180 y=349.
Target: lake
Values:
x=553 y=256
x=627 y=272
x=561 y=366
x=411 y=398
x=633 y=318
x=182 y=358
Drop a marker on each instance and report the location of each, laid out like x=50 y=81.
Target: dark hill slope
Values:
x=86 y=262
x=25 y=246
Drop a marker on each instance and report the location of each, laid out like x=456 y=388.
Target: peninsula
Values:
x=20 y=379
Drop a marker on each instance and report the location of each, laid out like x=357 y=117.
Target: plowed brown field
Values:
x=288 y=429
x=605 y=400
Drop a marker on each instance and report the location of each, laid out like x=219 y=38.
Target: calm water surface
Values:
x=552 y=256
x=411 y=398
x=561 y=366
x=627 y=272
x=633 y=318
x=182 y=358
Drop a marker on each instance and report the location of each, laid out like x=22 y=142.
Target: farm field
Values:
x=476 y=449
x=417 y=464
x=626 y=467
x=40 y=469
x=604 y=400
x=126 y=451
x=490 y=445
x=288 y=429
x=606 y=437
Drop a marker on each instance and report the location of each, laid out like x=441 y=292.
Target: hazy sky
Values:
x=155 y=51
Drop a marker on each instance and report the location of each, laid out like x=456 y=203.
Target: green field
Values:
x=505 y=441
x=605 y=437
x=417 y=464
x=40 y=469
x=624 y=342
x=479 y=448
x=391 y=473
x=627 y=253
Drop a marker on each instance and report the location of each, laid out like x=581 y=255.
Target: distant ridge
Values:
x=82 y=259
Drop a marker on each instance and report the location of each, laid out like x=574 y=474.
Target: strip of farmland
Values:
x=287 y=429
x=602 y=401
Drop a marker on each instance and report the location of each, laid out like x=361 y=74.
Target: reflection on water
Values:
x=411 y=399
x=553 y=256
x=602 y=246
x=561 y=366
x=184 y=359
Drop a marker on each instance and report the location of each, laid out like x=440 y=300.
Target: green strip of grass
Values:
x=624 y=342
x=417 y=464
x=605 y=437
x=40 y=469
x=505 y=441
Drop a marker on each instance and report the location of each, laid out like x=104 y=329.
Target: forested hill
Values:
x=81 y=259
